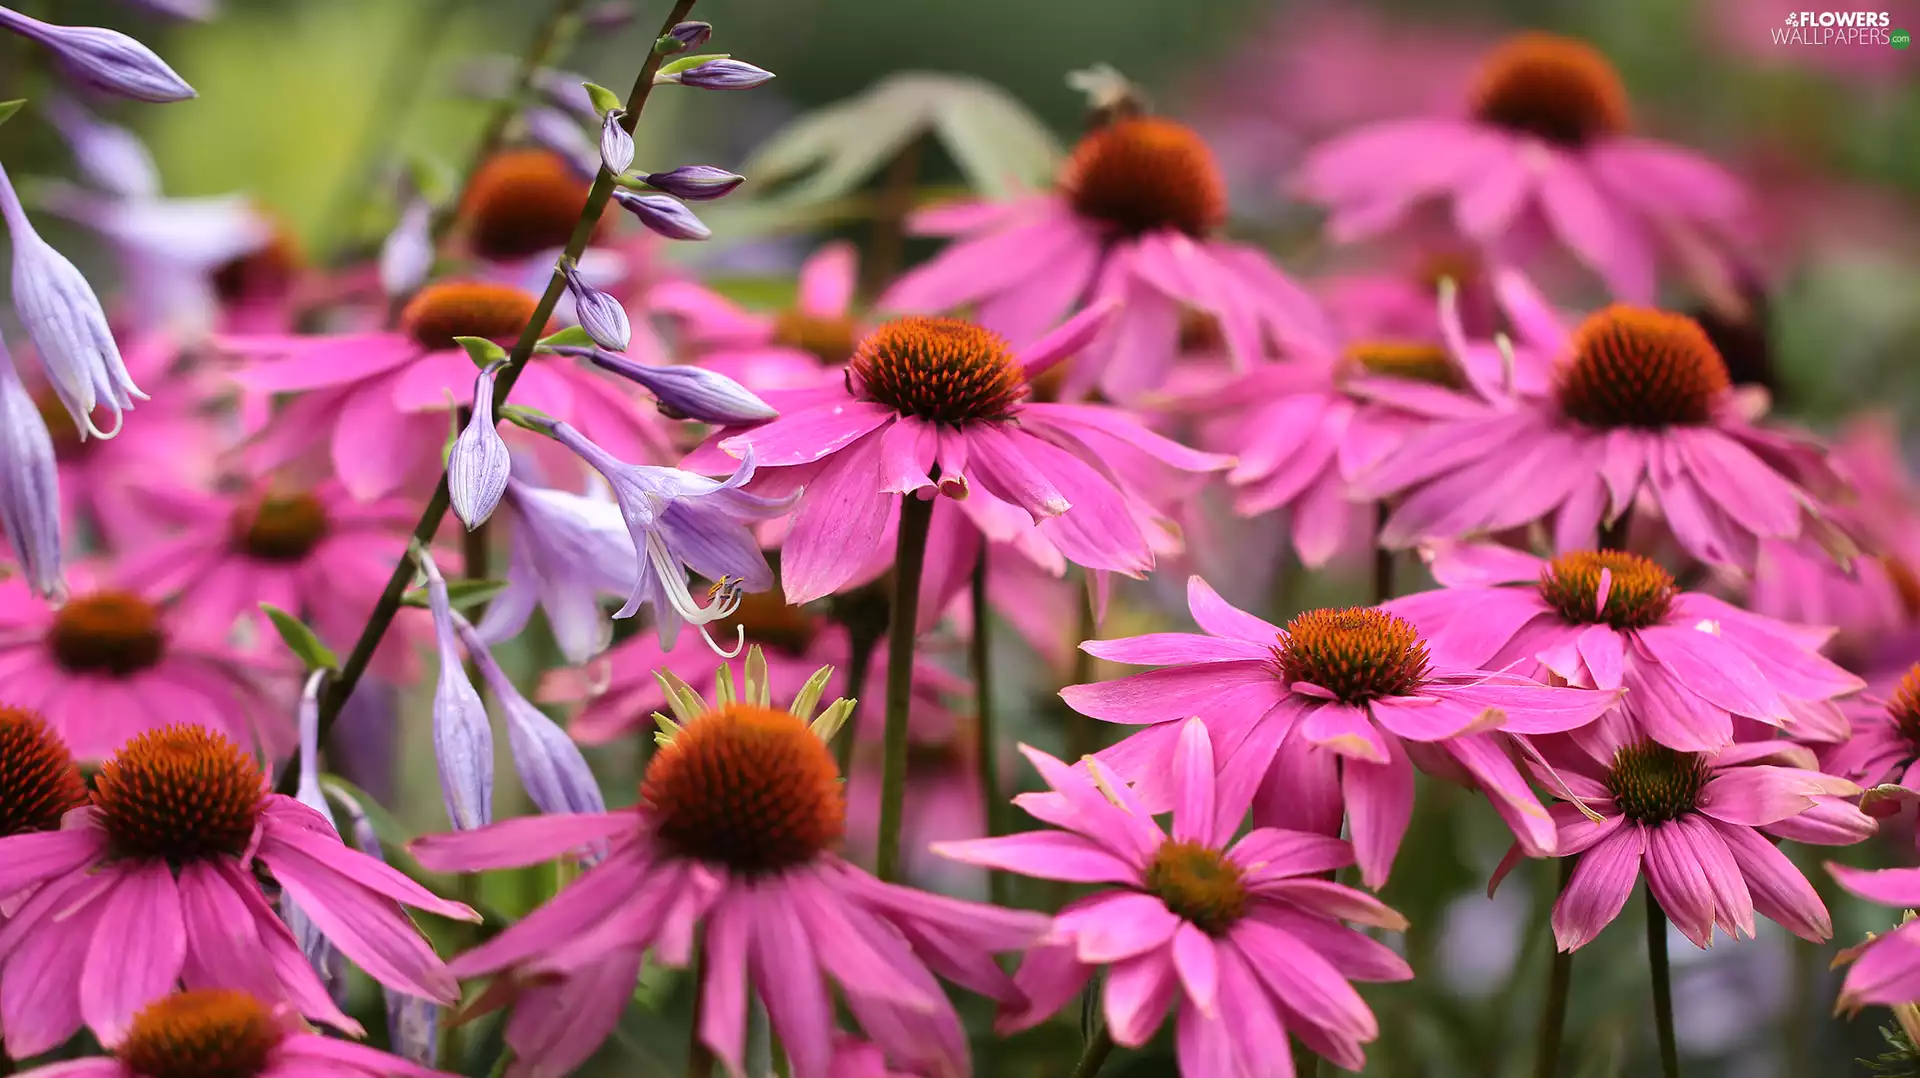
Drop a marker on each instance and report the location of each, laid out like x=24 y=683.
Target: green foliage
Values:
x=1901 y=1060
x=300 y=639
x=461 y=594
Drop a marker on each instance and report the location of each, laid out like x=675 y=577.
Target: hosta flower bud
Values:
x=616 y=145
x=406 y=257
x=664 y=214
x=686 y=35
x=718 y=74
x=602 y=316
x=478 y=466
x=696 y=183
x=686 y=392
x=552 y=770
x=105 y=59
x=462 y=736
x=29 y=485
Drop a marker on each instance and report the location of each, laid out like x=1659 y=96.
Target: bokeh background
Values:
x=309 y=105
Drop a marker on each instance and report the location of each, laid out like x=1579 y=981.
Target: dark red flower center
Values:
x=1199 y=884
x=181 y=793
x=751 y=788
x=1639 y=591
x=38 y=781
x=1143 y=174
x=107 y=632
x=1357 y=653
x=1415 y=361
x=521 y=203
x=441 y=312
x=201 y=1033
x=1652 y=783
x=1551 y=87
x=830 y=339
x=1641 y=368
x=262 y=274
x=939 y=369
x=773 y=623
x=281 y=527
x=1904 y=708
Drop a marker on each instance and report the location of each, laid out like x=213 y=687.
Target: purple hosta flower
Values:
x=29 y=485
x=105 y=59
x=558 y=131
x=679 y=521
x=406 y=256
x=413 y=1022
x=602 y=316
x=67 y=325
x=616 y=143
x=696 y=183
x=564 y=552
x=694 y=393
x=181 y=9
x=690 y=35
x=462 y=736
x=326 y=959
x=555 y=775
x=664 y=214
x=721 y=73
x=478 y=466
x=111 y=157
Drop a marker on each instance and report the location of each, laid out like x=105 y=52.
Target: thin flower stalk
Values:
x=910 y=556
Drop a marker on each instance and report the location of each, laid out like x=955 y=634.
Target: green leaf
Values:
x=570 y=337
x=526 y=418
x=604 y=100
x=460 y=593
x=482 y=351
x=8 y=108
x=673 y=67
x=301 y=640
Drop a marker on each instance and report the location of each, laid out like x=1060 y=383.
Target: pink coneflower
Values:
x=1885 y=741
x=1245 y=936
x=319 y=554
x=1613 y=620
x=938 y=397
x=155 y=883
x=1885 y=969
x=38 y=779
x=110 y=665
x=1545 y=141
x=1135 y=220
x=1639 y=404
x=380 y=399
x=790 y=349
x=739 y=815
x=1695 y=825
x=1358 y=683
x=231 y=1033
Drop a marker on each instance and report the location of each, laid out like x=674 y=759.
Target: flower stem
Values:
x=1083 y=735
x=699 y=1056
x=1094 y=1055
x=863 y=613
x=1553 y=1013
x=887 y=242
x=389 y=603
x=1382 y=559
x=910 y=555
x=1662 y=986
x=986 y=745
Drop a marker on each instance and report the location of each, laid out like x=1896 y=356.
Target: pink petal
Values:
x=30 y=859
x=1193 y=778
x=1304 y=980
x=787 y=978
x=906 y=455
x=1221 y=618
x=840 y=525
x=723 y=1009
x=1599 y=888
x=1345 y=729
x=1197 y=964
x=1732 y=903
x=1713 y=670
x=827 y=280
x=1173 y=649
x=520 y=842
x=1379 y=799
x=1485 y=758
x=137 y=949
x=1271 y=853
x=1047 y=855
x=802 y=437
x=1679 y=881
x=1118 y=925
x=1138 y=993
x=367 y=928
x=1048 y=977
x=1887 y=970
x=1163 y=695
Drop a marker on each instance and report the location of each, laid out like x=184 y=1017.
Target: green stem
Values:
x=389 y=603
x=886 y=245
x=1662 y=986
x=863 y=638
x=1083 y=738
x=1094 y=1055
x=1382 y=560
x=986 y=744
x=699 y=1056
x=1553 y=1013
x=1306 y=1062
x=910 y=555
x=501 y=1062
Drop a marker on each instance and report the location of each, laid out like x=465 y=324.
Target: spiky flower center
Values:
x=1652 y=783
x=1356 y=653
x=201 y=1033
x=521 y=203
x=265 y=273
x=1904 y=708
x=441 y=312
x=1551 y=87
x=1641 y=368
x=939 y=369
x=751 y=788
x=107 y=632
x=1415 y=361
x=181 y=793
x=281 y=527
x=38 y=781
x=1639 y=591
x=773 y=623
x=1143 y=174
x=1198 y=884
x=830 y=339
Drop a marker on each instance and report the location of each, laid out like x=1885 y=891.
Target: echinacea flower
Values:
x=38 y=779
x=1886 y=968
x=1546 y=138
x=740 y=812
x=1694 y=825
x=110 y=665
x=789 y=349
x=155 y=883
x=1134 y=221
x=1637 y=404
x=521 y=204
x=1884 y=741
x=233 y=1033
x=1609 y=619
x=1244 y=936
x=1358 y=683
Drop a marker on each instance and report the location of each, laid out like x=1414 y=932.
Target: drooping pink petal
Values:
x=366 y=927
x=1198 y=966
x=839 y=526
x=1346 y=729
x=1599 y=887
x=1174 y=649
x=1118 y=925
x=786 y=975
x=1778 y=888
x=1139 y=991
x=517 y=843
x=1379 y=799
x=1679 y=881
x=138 y=946
x=723 y=981
x=1304 y=980
x=1049 y=976
x=1732 y=903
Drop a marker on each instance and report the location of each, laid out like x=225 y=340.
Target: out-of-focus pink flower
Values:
x=1885 y=724
x=1545 y=141
x=1885 y=969
x=798 y=347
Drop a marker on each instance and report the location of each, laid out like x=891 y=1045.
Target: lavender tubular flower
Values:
x=413 y=1023
x=602 y=316
x=665 y=215
x=462 y=736
x=325 y=958
x=696 y=183
x=29 y=485
x=105 y=59
x=478 y=466
x=65 y=320
x=717 y=74
x=552 y=770
x=406 y=256
x=616 y=145
x=557 y=131
x=564 y=552
x=111 y=158
x=685 y=392
x=688 y=35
